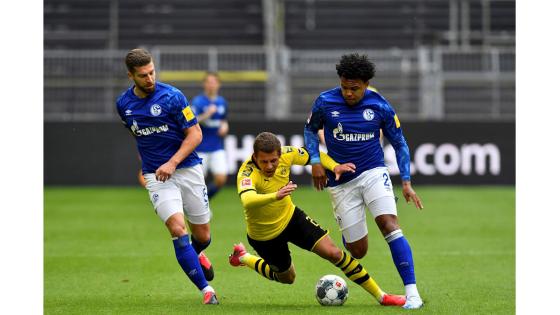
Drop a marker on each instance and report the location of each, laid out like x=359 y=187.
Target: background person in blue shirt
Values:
x=167 y=133
x=353 y=118
x=211 y=111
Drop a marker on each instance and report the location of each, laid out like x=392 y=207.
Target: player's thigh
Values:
x=378 y=192
x=303 y=231
x=165 y=196
x=349 y=210
x=218 y=162
x=194 y=194
x=275 y=252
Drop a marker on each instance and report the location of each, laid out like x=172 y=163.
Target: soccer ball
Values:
x=331 y=290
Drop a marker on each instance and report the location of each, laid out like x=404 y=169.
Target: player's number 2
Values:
x=386 y=176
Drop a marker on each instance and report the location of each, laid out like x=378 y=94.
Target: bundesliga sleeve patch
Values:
x=246 y=183
x=187 y=112
x=397 y=122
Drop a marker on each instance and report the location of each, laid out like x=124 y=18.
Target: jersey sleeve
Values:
x=391 y=128
x=184 y=113
x=297 y=156
x=328 y=162
x=313 y=125
x=246 y=181
x=120 y=112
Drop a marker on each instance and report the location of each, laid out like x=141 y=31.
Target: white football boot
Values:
x=413 y=302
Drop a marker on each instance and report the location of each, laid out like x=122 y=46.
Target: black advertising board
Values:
x=442 y=153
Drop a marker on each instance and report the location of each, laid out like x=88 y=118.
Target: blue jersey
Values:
x=158 y=122
x=352 y=133
x=211 y=141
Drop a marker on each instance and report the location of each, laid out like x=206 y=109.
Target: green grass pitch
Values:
x=106 y=252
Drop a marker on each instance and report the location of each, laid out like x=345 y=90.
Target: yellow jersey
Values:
x=267 y=217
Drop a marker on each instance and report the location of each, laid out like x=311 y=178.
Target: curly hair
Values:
x=355 y=66
x=266 y=142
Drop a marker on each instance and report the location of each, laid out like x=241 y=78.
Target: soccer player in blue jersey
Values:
x=167 y=133
x=211 y=111
x=353 y=117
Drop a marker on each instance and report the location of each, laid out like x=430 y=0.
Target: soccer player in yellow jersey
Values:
x=264 y=186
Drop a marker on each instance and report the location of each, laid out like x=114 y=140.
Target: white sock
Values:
x=411 y=290
x=207 y=289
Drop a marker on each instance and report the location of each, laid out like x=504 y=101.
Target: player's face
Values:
x=144 y=78
x=353 y=90
x=267 y=162
x=211 y=85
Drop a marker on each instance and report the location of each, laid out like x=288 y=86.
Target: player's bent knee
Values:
x=358 y=253
x=357 y=250
x=177 y=230
x=201 y=232
x=176 y=225
x=387 y=224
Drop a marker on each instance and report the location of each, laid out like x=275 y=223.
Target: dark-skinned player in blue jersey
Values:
x=167 y=133
x=353 y=118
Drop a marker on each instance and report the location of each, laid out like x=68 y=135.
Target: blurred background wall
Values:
x=446 y=66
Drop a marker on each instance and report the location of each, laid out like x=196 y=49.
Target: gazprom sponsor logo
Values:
x=339 y=134
x=147 y=131
x=352 y=137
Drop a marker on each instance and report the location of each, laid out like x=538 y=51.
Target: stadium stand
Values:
x=82 y=24
x=468 y=48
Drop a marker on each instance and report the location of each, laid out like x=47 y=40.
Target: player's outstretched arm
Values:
x=313 y=125
x=338 y=169
x=409 y=194
x=317 y=170
x=251 y=199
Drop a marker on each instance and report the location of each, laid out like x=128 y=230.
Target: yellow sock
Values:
x=259 y=265
x=359 y=275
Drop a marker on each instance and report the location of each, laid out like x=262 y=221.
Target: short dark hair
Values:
x=137 y=57
x=267 y=142
x=355 y=66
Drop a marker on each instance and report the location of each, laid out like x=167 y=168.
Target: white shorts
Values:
x=185 y=191
x=215 y=161
x=373 y=188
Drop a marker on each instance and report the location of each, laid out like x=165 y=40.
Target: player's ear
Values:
x=130 y=76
